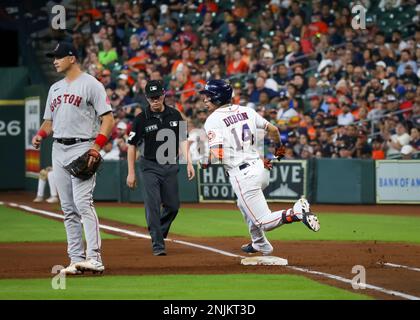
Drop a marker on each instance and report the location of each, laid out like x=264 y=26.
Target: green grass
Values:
x=200 y=287
x=19 y=226
x=229 y=223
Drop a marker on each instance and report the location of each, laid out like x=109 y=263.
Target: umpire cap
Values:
x=154 y=89
x=63 y=49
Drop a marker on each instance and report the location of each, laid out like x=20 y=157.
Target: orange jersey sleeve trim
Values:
x=217 y=151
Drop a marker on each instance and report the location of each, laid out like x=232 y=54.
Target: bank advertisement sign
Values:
x=398 y=181
x=287 y=183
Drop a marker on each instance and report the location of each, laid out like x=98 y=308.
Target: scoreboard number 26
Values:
x=12 y=128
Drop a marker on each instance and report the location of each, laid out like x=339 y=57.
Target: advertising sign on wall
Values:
x=287 y=183
x=398 y=181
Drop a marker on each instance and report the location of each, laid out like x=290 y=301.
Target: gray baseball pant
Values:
x=76 y=197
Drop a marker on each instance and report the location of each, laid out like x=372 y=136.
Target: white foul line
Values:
x=127 y=232
x=222 y=252
x=368 y=286
x=393 y=265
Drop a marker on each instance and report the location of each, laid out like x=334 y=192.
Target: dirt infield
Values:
x=132 y=256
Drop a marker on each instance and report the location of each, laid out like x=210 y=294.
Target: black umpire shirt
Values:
x=147 y=124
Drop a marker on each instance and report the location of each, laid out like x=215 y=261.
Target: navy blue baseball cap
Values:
x=63 y=49
x=283 y=95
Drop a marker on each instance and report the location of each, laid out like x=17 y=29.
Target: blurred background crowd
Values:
x=333 y=91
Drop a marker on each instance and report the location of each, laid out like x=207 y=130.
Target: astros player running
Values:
x=78 y=115
x=231 y=130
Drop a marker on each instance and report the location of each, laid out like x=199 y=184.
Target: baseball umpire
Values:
x=163 y=131
x=79 y=117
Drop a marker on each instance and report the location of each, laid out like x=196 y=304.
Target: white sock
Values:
x=51 y=183
x=289 y=212
x=41 y=188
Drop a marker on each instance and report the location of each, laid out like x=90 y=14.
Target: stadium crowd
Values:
x=333 y=91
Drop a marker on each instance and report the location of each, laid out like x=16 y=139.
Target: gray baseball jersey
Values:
x=78 y=103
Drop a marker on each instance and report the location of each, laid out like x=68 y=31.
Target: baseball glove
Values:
x=80 y=168
x=280 y=152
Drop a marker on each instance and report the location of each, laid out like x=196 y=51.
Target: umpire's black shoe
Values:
x=159 y=253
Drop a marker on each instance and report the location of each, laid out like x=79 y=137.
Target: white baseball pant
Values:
x=248 y=185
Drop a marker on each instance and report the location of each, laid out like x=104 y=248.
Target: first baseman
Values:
x=78 y=114
x=231 y=131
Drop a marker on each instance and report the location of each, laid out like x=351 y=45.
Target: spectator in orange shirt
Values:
x=92 y=12
x=139 y=61
x=237 y=92
x=377 y=150
x=195 y=82
x=333 y=108
x=207 y=6
x=237 y=64
x=310 y=129
x=241 y=10
x=316 y=27
x=180 y=65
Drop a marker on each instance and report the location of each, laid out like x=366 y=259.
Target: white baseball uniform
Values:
x=234 y=128
x=74 y=108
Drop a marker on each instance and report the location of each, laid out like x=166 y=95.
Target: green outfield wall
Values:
x=12 y=127
x=344 y=181
x=320 y=180
x=111 y=186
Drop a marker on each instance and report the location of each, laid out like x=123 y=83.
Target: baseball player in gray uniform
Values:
x=79 y=116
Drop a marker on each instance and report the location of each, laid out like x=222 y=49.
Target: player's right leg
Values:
x=248 y=188
x=83 y=200
x=150 y=176
x=72 y=219
x=302 y=210
x=259 y=242
x=169 y=195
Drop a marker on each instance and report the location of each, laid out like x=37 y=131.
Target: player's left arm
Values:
x=107 y=123
x=274 y=135
x=100 y=102
x=104 y=132
x=215 y=140
x=215 y=152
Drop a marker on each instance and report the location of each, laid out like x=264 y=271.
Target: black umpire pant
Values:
x=161 y=199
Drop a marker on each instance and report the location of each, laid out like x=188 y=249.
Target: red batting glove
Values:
x=267 y=164
x=204 y=165
x=280 y=152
